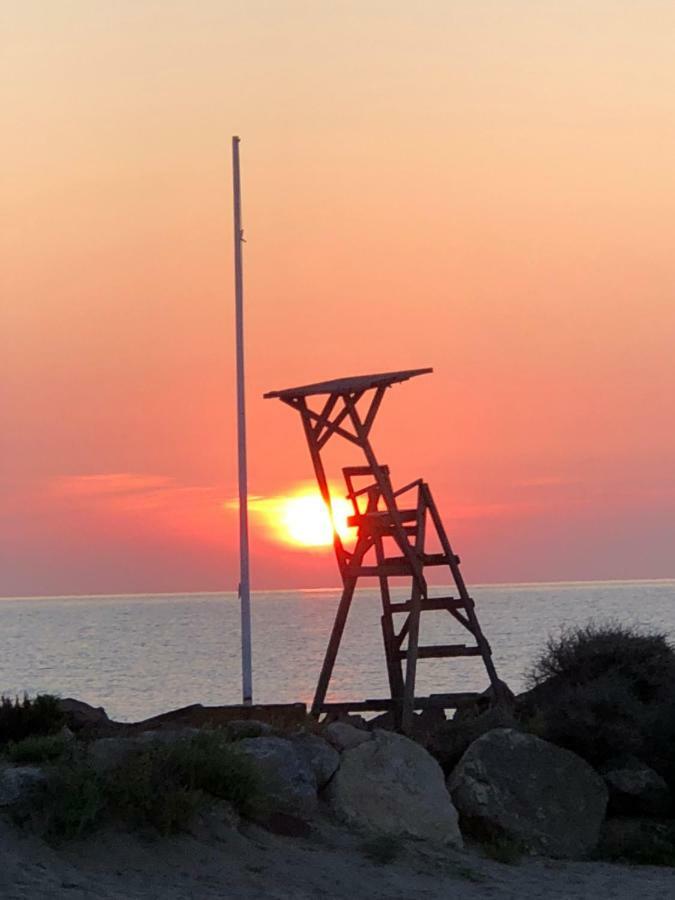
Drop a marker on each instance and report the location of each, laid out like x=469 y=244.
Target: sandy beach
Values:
x=217 y=861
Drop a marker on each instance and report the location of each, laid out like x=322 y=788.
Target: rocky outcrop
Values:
x=289 y=783
x=546 y=799
x=390 y=785
x=80 y=716
x=635 y=789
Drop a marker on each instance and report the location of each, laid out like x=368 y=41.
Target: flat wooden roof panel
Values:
x=347 y=385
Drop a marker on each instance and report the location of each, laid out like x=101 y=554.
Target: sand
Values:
x=250 y=862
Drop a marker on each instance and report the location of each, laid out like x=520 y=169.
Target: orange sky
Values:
x=487 y=188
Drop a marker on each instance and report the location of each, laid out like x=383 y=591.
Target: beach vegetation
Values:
x=41 y=748
x=603 y=691
x=25 y=717
x=161 y=785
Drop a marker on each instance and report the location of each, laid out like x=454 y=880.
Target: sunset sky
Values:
x=487 y=188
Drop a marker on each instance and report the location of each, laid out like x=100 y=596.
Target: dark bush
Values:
x=164 y=784
x=20 y=719
x=72 y=801
x=37 y=749
x=602 y=691
x=644 y=661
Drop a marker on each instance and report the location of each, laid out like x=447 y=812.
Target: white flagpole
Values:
x=244 y=585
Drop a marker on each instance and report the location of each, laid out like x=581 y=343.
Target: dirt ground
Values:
x=249 y=862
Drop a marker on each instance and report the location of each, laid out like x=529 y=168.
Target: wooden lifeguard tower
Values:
x=394 y=527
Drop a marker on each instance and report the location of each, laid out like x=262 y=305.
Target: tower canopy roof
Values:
x=350 y=385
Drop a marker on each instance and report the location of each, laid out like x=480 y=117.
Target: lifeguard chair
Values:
x=393 y=529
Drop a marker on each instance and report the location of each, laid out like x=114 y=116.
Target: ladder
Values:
x=392 y=541
x=384 y=526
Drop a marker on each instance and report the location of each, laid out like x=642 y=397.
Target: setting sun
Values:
x=304 y=520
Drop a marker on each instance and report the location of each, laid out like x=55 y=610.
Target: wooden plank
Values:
x=400 y=565
x=429 y=604
x=440 y=651
x=434 y=701
x=347 y=385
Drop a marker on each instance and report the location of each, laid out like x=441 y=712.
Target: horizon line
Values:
x=335 y=589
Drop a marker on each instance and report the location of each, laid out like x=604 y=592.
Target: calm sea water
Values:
x=141 y=655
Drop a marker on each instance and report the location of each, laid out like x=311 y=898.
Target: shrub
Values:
x=20 y=719
x=37 y=749
x=598 y=690
x=163 y=785
x=644 y=661
x=72 y=801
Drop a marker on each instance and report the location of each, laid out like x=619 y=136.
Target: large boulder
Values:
x=289 y=783
x=546 y=799
x=18 y=783
x=322 y=759
x=635 y=789
x=390 y=785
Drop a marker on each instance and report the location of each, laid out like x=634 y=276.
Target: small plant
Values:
x=503 y=850
x=159 y=785
x=382 y=849
x=72 y=802
x=24 y=718
x=37 y=749
x=163 y=785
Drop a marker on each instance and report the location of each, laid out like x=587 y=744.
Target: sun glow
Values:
x=305 y=520
x=302 y=518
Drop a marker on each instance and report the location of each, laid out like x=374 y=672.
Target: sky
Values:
x=486 y=187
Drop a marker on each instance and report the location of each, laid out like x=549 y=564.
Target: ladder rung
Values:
x=399 y=565
x=438 y=651
x=430 y=603
x=382 y=518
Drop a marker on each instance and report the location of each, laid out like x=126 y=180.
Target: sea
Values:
x=140 y=655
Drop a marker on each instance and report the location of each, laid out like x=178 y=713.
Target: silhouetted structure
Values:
x=390 y=543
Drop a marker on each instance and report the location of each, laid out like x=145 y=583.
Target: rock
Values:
x=81 y=716
x=449 y=742
x=541 y=797
x=248 y=728
x=344 y=736
x=17 y=783
x=321 y=758
x=288 y=781
x=635 y=789
x=390 y=785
